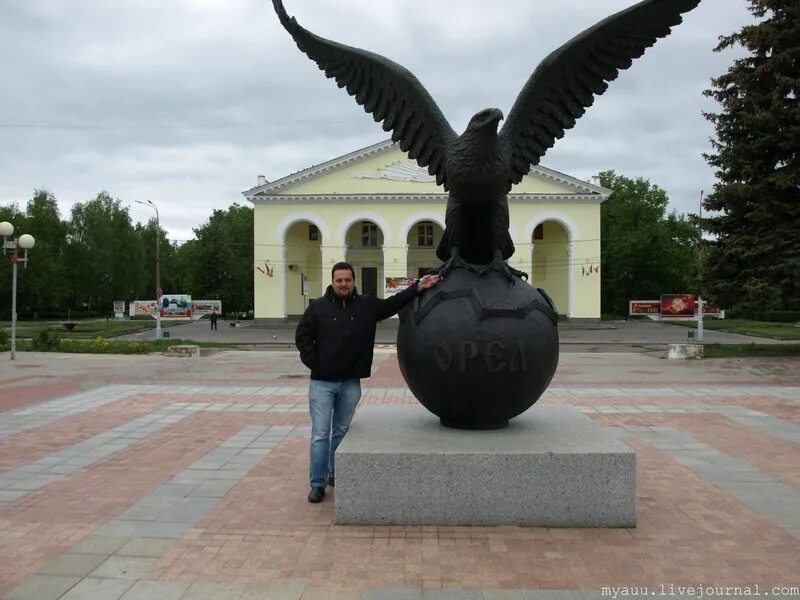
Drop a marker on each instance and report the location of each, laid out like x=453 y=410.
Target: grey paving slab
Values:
x=761 y=492
x=78 y=565
x=42 y=587
x=213 y=591
x=145 y=547
x=124 y=567
x=553 y=595
x=289 y=591
x=452 y=595
x=93 y=588
x=156 y=590
x=504 y=595
x=99 y=544
x=154 y=529
x=392 y=594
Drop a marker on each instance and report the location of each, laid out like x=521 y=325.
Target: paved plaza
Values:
x=155 y=478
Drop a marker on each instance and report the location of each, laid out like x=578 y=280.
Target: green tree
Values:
x=47 y=285
x=219 y=263
x=168 y=270
x=645 y=251
x=105 y=254
x=754 y=257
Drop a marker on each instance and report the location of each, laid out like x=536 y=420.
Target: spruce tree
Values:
x=753 y=260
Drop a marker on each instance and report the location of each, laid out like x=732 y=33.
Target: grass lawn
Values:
x=737 y=350
x=86 y=329
x=105 y=346
x=778 y=331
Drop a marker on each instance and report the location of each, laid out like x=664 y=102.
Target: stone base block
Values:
x=551 y=467
x=684 y=351
x=183 y=350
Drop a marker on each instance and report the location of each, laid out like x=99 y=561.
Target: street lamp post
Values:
x=158 y=268
x=24 y=242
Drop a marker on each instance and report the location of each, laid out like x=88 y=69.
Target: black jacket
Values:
x=336 y=337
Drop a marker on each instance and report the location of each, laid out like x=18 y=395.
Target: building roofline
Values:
x=270 y=189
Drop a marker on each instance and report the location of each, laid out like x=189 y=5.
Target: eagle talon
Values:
x=498 y=264
x=455 y=262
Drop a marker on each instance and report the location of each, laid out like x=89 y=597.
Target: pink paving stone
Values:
x=31 y=444
x=42 y=525
x=687 y=529
x=22 y=395
x=772 y=455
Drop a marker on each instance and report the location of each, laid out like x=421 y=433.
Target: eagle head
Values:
x=487 y=118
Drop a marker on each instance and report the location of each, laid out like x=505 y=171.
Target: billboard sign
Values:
x=206 y=307
x=140 y=308
x=176 y=306
x=644 y=307
x=397 y=284
x=678 y=306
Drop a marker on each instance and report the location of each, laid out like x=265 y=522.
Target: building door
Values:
x=369 y=280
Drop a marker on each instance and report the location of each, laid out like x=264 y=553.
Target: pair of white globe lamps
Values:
x=25 y=241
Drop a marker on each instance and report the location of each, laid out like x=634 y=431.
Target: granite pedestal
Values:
x=551 y=467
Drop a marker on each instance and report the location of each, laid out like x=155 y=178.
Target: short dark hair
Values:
x=342 y=266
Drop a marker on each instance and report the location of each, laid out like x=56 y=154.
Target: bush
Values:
x=47 y=340
x=5 y=340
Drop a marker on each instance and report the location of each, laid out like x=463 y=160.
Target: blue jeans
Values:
x=332 y=405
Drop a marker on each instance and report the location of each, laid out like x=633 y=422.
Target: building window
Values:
x=538 y=233
x=369 y=234
x=313 y=233
x=425 y=234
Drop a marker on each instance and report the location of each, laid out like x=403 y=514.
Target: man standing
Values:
x=213 y=318
x=335 y=337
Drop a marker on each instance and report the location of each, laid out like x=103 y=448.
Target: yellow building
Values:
x=379 y=211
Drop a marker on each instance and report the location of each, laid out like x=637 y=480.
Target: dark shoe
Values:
x=332 y=481
x=316 y=494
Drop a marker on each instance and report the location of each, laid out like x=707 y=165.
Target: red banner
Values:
x=644 y=307
x=678 y=306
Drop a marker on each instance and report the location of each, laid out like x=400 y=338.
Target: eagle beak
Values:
x=497 y=115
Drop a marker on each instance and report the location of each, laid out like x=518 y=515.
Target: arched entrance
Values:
x=364 y=240
x=422 y=239
x=551 y=262
x=302 y=266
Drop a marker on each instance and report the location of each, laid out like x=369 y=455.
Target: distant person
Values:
x=336 y=336
x=213 y=318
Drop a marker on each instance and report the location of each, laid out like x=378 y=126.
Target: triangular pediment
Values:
x=384 y=169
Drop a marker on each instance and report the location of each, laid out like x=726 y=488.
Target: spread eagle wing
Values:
x=565 y=83
x=386 y=90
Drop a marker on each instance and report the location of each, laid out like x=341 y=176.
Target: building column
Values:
x=570 y=279
x=283 y=274
x=330 y=255
x=395 y=261
x=523 y=259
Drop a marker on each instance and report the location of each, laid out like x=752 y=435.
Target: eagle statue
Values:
x=479 y=167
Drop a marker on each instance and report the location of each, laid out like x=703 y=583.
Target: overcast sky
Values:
x=186 y=102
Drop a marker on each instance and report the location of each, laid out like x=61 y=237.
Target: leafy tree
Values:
x=47 y=284
x=105 y=255
x=645 y=251
x=754 y=258
x=43 y=284
x=219 y=263
x=168 y=270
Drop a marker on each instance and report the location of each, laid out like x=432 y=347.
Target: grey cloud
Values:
x=186 y=102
